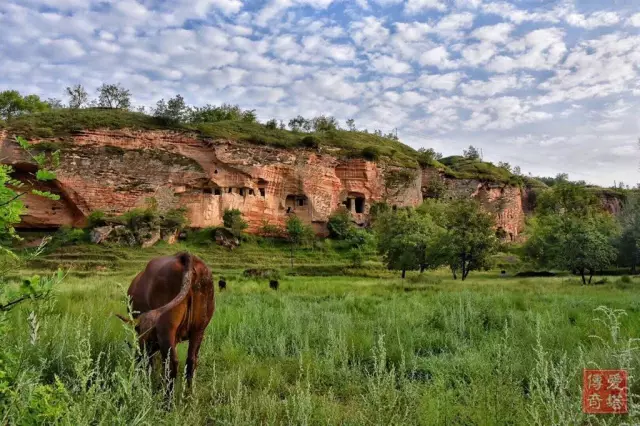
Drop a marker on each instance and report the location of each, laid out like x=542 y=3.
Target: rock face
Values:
x=115 y=171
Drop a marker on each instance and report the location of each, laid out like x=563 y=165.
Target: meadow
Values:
x=334 y=345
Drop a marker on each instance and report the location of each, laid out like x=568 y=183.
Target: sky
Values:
x=549 y=85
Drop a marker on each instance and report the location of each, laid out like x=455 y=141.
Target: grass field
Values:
x=327 y=348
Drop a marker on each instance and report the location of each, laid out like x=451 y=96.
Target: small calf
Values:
x=274 y=284
x=222 y=284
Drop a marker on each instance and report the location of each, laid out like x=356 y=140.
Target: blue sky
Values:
x=551 y=86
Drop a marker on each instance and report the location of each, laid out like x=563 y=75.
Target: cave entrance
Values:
x=296 y=203
x=355 y=203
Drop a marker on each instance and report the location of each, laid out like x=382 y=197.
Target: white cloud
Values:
x=634 y=20
x=437 y=57
x=390 y=65
x=369 y=33
x=498 y=33
x=491 y=87
x=418 y=6
x=595 y=20
x=446 y=82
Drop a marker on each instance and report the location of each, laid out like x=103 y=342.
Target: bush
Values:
x=309 y=142
x=356 y=256
x=370 y=153
x=626 y=279
x=96 y=218
x=272 y=124
x=339 y=224
x=174 y=218
x=232 y=219
x=138 y=218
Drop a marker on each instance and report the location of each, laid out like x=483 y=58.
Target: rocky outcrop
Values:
x=115 y=171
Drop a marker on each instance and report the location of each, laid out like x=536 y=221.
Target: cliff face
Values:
x=115 y=171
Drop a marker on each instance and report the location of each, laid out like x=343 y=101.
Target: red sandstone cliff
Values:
x=115 y=171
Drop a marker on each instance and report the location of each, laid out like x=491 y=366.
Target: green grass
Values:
x=460 y=167
x=353 y=350
x=62 y=123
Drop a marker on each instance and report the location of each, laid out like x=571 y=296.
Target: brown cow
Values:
x=172 y=301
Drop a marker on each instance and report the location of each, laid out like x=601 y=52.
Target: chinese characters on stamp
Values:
x=604 y=391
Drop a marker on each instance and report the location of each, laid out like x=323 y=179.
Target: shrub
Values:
x=370 y=153
x=271 y=231
x=339 y=224
x=356 y=256
x=96 y=218
x=272 y=124
x=309 y=141
x=138 y=218
x=232 y=219
x=175 y=218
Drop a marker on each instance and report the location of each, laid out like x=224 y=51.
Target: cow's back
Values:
x=157 y=285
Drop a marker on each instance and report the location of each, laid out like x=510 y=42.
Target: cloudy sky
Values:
x=550 y=85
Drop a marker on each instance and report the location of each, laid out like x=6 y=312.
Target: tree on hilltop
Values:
x=113 y=96
x=78 y=97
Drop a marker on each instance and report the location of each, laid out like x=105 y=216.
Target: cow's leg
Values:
x=192 y=356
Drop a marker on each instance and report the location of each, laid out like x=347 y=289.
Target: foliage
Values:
x=471 y=153
x=96 y=218
x=571 y=232
x=271 y=231
x=78 y=96
x=340 y=224
x=466 y=168
x=174 y=219
x=225 y=112
x=428 y=157
x=406 y=240
x=173 y=111
x=298 y=234
x=13 y=104
x=435 y=188
x=370 y=153
x=351 y=125
x=397 y=180
x=113 y=96
x=362 y=245
x=232 y=219
x=271 y=124
x=324 y=124
x=310 y=141
x=629 y=242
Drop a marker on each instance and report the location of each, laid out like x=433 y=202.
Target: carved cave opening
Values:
x=296 y=203
x=355 y=203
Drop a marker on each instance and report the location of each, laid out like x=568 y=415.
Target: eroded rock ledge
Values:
x=116 y=170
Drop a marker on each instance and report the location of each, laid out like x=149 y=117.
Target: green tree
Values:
x=113 y=96
x=629 y=241
x=13 y=104
x=351 y=125
x=470 y=238
x=571 y=232
x=173 y=111
x=361 y=244
x=78 y=96
x=232 y=219
x=298 y=233
x=471 y=153
x=339 y=224
x=406 y=240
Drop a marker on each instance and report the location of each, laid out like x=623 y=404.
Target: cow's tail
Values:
x=148 y=320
